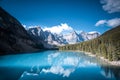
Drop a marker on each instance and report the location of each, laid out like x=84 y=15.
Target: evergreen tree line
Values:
x=107 y=45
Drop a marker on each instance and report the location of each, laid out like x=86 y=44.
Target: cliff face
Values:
x=13 y=37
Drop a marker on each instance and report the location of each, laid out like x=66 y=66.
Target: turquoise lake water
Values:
x=56 y=65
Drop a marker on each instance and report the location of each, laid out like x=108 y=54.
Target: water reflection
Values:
x=111 y=71
x=56 y=65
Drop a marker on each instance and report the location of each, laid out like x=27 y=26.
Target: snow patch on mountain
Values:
x=93 y=34
x=55 y=39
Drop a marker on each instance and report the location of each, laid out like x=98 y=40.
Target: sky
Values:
x=66 y=15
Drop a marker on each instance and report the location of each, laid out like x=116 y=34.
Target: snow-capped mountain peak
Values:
x=93 y=34
x=61 y=39
x=72 y=37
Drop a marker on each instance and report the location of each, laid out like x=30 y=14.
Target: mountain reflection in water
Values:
x=56 y=65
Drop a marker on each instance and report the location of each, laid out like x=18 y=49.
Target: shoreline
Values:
x=113 y=63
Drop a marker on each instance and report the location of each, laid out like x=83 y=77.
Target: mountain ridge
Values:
x=62 y=39
x=107 y=45
x=13 y=37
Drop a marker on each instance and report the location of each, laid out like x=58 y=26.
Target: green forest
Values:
x=107 y=45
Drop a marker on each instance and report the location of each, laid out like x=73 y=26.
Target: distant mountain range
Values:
x=61 y=39
x=106 y=45
x=14 y=38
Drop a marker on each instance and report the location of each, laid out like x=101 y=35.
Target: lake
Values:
x=56 y=65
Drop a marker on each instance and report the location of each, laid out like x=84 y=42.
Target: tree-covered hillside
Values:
x=107 y=45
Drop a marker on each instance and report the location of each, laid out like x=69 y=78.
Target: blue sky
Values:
x=78 y=14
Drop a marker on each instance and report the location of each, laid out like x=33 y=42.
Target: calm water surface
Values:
x=56 y=65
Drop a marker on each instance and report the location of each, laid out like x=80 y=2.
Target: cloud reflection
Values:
x=25 y=73
x=61 y=64
x=51 y=56
x=71 y=61
x=58 y=70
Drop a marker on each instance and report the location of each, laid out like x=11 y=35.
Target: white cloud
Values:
x=59 y=28
x=100 y=22
x=111 y=5
x=112 y=22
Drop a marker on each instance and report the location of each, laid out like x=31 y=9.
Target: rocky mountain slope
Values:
x=60 y=39
x=49 y=40
x=13 y=37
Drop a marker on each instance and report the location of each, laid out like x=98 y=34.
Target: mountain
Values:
x=92 y=35
x=72 y=38
x=83 y=35
x=89 y=35
x=60 y=39
x=48 y=39
x=106 y=45
x=13 y=37
x=37 y=32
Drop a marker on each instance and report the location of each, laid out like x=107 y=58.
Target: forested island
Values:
x=107 y=45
